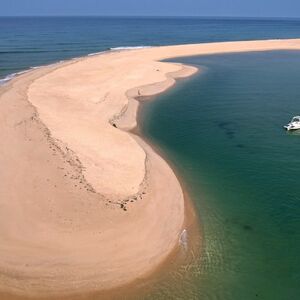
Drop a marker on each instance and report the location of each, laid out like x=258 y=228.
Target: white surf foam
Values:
x=129 y=48
x=183 y=239
x=11 y=76
x=96 y=53
x=119 y=49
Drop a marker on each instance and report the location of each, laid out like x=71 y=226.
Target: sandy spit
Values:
x=85 y=204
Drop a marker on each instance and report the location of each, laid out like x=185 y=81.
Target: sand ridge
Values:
x=85 y=204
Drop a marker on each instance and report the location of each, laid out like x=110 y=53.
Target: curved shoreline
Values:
x=153 y=157
x=132 y=243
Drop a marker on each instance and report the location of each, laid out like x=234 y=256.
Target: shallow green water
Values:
x=222 y=130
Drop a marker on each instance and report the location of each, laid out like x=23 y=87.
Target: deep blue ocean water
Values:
x=32 y=41
x=222 y=130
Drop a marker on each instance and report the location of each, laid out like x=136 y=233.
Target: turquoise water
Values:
x=222 y=130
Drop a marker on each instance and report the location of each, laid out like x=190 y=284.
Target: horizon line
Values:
x=152 y=16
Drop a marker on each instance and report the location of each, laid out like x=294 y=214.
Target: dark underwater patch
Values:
x=228 y=128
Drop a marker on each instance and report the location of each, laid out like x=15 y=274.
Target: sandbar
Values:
x=86 y=204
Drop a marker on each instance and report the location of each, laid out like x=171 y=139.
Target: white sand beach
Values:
x=86 y=205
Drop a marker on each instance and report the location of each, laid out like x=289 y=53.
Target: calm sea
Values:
x=32 y=41
x=222 y=130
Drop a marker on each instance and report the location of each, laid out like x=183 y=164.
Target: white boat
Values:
x=294 y=124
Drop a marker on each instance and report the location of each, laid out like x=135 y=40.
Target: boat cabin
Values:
x=296 y=119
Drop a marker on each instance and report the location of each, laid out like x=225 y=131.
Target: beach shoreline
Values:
x=52 y=69
x=65 y=120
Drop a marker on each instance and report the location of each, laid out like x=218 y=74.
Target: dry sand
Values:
x=85 y=204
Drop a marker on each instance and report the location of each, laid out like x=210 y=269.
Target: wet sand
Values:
x=86 y=205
